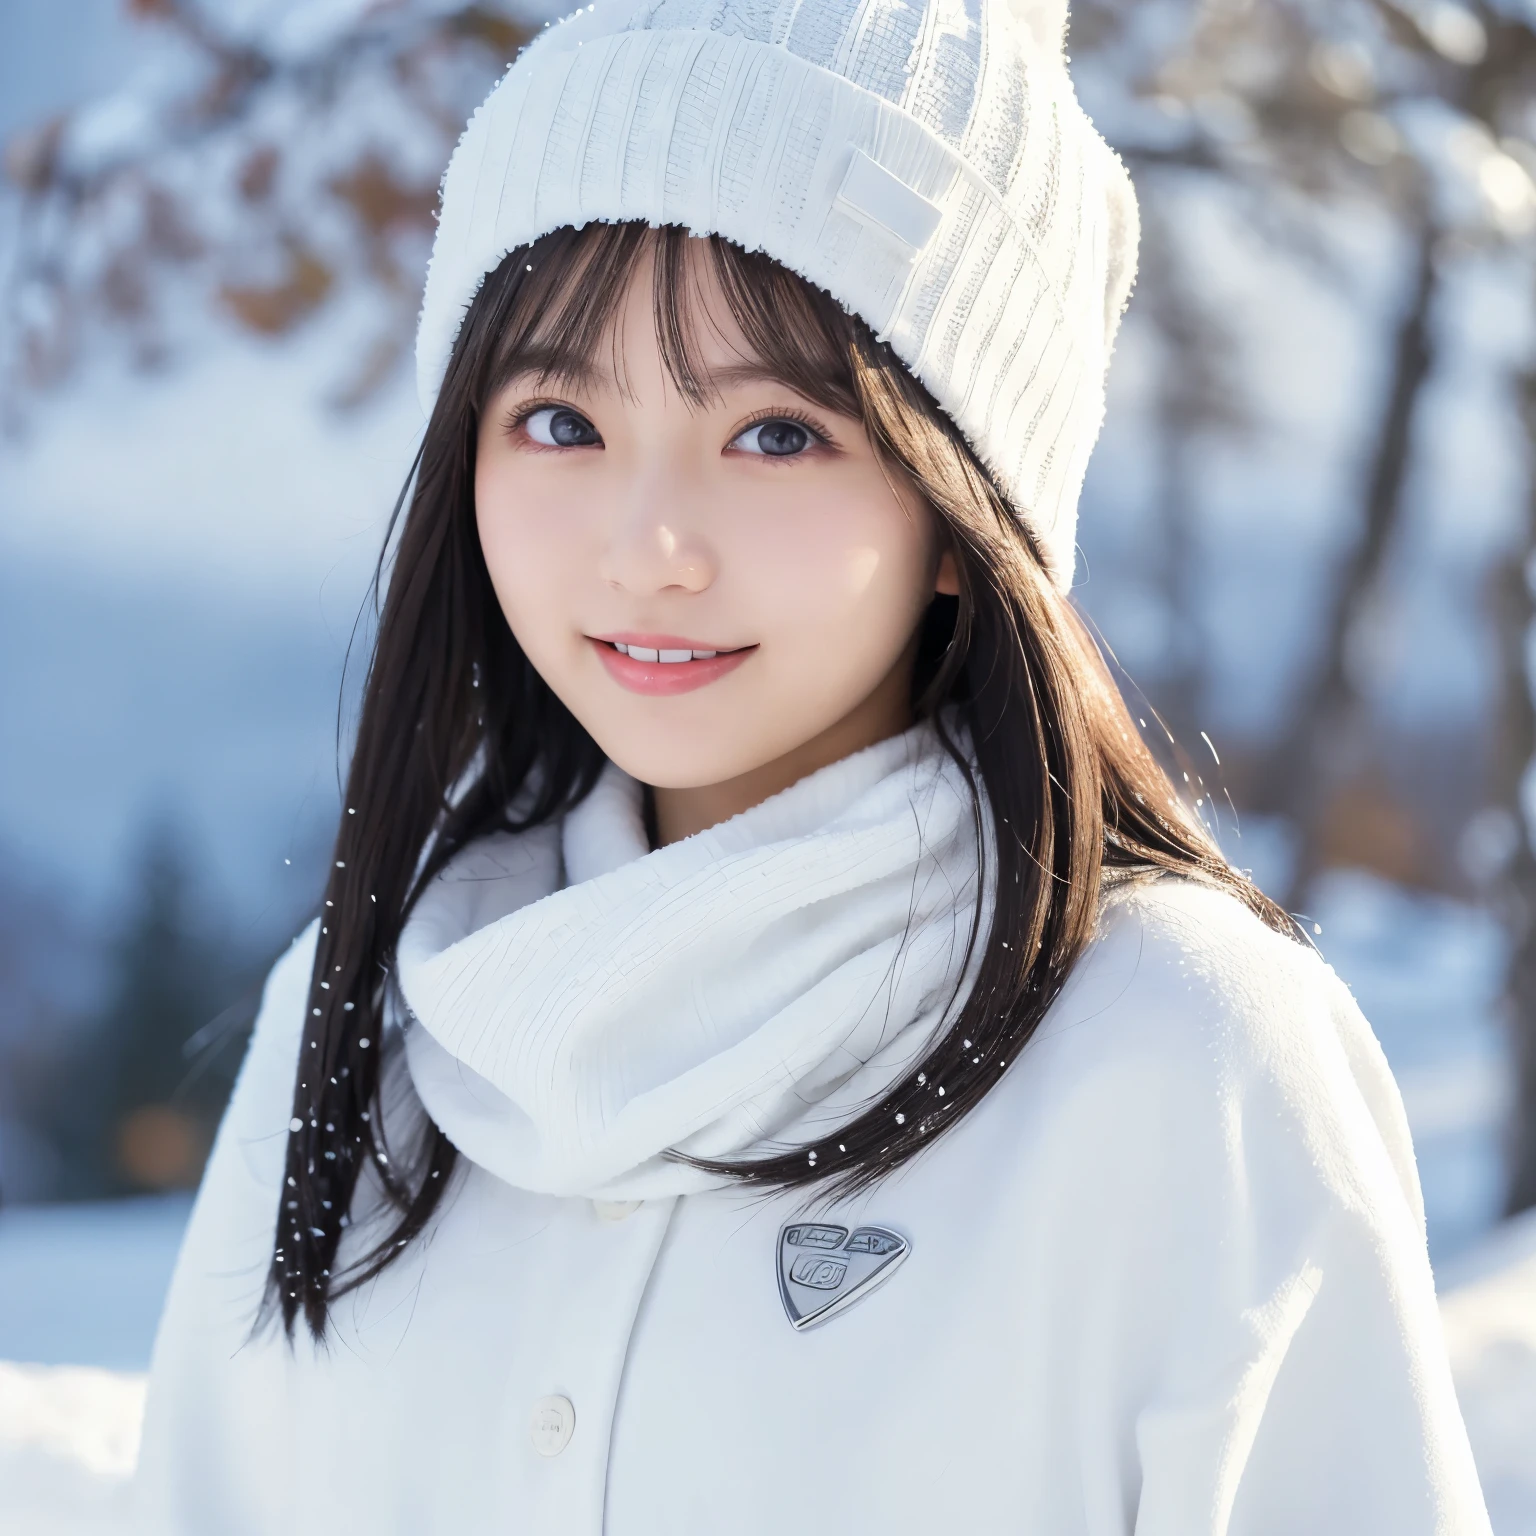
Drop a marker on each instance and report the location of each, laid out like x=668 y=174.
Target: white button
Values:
x=553 y=1424
x=616 y=1210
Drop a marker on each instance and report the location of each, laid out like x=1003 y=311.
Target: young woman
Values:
x=776 y=1054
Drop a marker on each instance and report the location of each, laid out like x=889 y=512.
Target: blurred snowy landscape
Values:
x=190 y=511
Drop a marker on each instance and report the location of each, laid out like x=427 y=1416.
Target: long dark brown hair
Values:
x=450 y=701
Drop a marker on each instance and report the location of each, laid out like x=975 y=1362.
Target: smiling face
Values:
x=726 y=591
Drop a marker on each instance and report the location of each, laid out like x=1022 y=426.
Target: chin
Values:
x=673 y=766
x=676 y=753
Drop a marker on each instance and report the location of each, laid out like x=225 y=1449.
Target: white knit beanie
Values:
x=925 y=162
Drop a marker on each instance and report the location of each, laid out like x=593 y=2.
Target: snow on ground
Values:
x=69 y=1436
x=1488 y=1303
x=80 y=1293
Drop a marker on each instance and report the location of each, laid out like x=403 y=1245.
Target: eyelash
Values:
x=822 y=436
x=524 y=413
x=520 y=418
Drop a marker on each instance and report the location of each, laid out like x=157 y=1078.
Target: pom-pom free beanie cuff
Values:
x=926 y=164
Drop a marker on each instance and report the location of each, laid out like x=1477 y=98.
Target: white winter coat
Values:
x=1169 y=1277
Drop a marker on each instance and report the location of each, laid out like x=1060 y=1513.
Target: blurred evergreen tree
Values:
x=134 y=1107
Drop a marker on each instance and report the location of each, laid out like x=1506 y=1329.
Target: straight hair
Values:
x=459 y=736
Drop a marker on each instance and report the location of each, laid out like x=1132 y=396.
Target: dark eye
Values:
x=557 y=426
x=776 y=439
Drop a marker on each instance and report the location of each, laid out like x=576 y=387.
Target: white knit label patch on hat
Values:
x=873 y=194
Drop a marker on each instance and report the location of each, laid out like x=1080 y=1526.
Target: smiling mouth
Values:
x=668 y=657
x=669 y=665
x=674 y=654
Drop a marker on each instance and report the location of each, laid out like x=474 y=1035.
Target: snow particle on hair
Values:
x=364 y=1043
x=295 y=1125
x=347 y=1007
x=901 y=1119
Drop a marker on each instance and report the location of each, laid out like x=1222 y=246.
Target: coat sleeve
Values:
x=1299 y=1379
x=209 y=1460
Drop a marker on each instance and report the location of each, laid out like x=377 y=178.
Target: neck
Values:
x=886 y=712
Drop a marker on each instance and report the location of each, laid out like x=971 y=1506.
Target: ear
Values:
x=947 y=582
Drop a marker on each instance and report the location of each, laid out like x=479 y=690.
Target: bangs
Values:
x=562 y=319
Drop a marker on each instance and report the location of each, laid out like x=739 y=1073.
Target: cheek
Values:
x=527 y=548
x=848 y=560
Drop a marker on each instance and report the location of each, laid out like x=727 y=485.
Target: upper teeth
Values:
x=645 y=653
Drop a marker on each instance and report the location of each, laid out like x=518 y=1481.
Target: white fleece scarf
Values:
x=582 y=1004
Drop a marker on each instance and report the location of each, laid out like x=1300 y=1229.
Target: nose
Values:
x=655 y=542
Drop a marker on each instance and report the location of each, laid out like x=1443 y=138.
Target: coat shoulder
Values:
x=1187 y=1006
x=1186 y=967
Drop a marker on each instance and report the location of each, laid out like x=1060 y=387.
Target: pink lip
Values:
x=664 y=678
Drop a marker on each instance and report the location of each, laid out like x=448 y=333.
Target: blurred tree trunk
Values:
x=1322 y=745
x=1515 y=615
x=1192 y=395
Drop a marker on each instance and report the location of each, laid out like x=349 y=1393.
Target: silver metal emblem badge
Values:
x=824 y=1269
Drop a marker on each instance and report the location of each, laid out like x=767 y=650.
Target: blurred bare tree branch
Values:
x=278 y=171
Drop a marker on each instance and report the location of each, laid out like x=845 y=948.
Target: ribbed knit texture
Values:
x=929 y=166
x=582 y=1004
